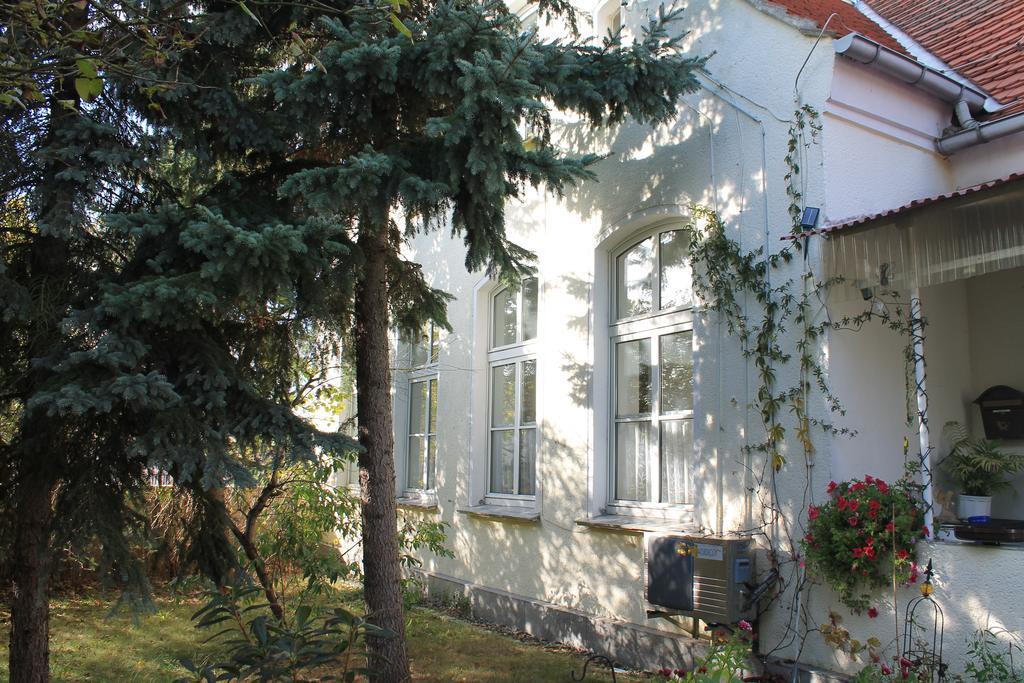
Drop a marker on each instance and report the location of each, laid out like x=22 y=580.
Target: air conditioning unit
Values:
x=706 y=577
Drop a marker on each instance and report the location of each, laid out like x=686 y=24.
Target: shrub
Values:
x=864 y=536
x=727 y=658
x=259 y=646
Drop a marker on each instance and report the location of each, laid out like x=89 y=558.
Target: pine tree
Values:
x=424 y=130
x=252 y=175
x=153 y=303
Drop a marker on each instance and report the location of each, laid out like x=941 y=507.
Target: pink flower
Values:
x=872 y=613
x=745 y=625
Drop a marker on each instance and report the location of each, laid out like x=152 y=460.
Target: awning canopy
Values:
x=970 y=232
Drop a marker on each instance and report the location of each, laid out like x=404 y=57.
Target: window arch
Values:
x=651 y=371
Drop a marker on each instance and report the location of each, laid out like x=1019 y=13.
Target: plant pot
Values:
x=974 y=508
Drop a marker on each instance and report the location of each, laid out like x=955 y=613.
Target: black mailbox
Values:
x=1002 y=412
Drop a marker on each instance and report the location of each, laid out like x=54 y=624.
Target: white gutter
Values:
x=966 y=100
x=983 y=132
x=860 y=49
x=919 y=52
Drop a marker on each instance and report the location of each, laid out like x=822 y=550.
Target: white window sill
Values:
x=419 y=500
x=503 y=513
x=635 y=525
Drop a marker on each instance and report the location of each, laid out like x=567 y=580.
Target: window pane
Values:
x=529 y=308
x=676 y=276
x=503 y=395
x=527 y=460
x=503 y=461
x=418 y=408
x=431 y=460
x=435 y=343
x=633 y=377
x=676 y=447
x=415 y=474
x=635 y=280
x=419 y=349
x=505 y=314
x=631 y=460
x=676 y=371
x=432 y=420
x=528 y=415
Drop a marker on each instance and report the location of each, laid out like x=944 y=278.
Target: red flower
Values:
x=853 y=520
x=842 y=503
x=832 y=486
x=809 y=539
x=857 y=486
x=870 y=541
x=925 y=531
x=902 y=554
x=874 y=505
x=868 y=479
x=886 y=670
x=858 y=552
x=854 y=504
x=869 y=552
x=889 y=528
x=872 y=613
x=872 y=514
x=882 y=486
x=812 y=513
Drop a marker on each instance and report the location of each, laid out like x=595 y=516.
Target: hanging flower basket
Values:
x=863 y=535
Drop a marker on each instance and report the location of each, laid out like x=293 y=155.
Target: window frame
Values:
x=426 y=372
x=652 y=326
x=518 y=353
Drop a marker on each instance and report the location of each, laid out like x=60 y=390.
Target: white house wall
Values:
x=713 y=155
x=724 y=151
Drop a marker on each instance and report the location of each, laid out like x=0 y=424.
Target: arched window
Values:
x=512 y=388
x=651 y=342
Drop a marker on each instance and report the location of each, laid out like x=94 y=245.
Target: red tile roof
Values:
x=916 y=204
x=982 y=40
x=850 y=20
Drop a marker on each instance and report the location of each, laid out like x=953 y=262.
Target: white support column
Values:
x=924 y=437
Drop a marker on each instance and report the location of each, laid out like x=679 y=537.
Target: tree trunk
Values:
x=382 y=587
x=32 y=563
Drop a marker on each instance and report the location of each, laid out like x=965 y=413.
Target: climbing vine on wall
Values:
x=789 y=318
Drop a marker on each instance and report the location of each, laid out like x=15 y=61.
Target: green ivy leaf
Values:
x=89 y=88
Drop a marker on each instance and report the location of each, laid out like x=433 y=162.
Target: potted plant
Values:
x=980 y=468
x=862 y=538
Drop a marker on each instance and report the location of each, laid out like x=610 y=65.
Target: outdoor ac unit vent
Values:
x=699 y=576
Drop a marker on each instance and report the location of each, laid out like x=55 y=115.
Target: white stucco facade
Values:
x=725 y=151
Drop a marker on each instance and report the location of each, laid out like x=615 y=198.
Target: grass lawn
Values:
x=89 y=644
